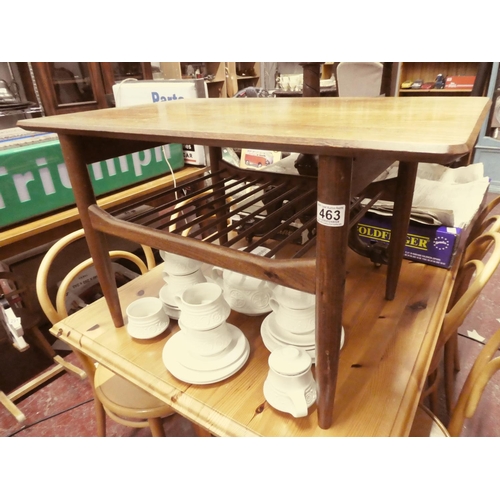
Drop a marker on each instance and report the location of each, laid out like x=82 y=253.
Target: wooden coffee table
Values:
x=355 y=139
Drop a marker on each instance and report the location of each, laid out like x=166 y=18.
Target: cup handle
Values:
x=178 y=301
x=165 y=276
x=299 y=404
x=215 y=273
x=274 y=304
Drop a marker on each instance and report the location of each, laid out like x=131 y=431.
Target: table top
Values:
x=382 y=367
x=410 y=128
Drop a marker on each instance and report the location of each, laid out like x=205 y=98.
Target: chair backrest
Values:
x=471 y=279
x=484 y=221
x=359 y=79
x=481 y=372
x=56 y=312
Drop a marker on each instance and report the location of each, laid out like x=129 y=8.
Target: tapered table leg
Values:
x=334 y=188
x=407 y=174
x=73 y=150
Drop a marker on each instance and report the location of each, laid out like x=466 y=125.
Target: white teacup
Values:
x=179 y=265
x=206 y=342
x=290 y=385
x=203 y=306
x=176 y=284
x=291 y=298
x=146 y=317
x=294 y=320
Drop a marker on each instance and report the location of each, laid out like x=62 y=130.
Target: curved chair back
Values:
x=115 y=396
x=58 y=311
x=426 y=424
x=481 y=372
x=471 y=279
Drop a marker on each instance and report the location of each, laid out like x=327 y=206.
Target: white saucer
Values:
x=272 y=343
x=305 y=340
x=251 y=312
x=228 y=356
x=147 y=333
x=170 y=360
x=173 y=312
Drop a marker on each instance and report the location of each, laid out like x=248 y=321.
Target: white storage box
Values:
x=133 y=93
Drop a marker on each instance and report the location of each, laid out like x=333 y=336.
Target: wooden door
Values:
x=68 y=87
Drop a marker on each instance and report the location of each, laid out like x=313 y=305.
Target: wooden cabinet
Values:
x=427 y=72
x=213 y=72
x=224 y=79
x=68 y=87
x=242 y=75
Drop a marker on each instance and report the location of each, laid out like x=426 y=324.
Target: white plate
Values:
x=228 y=356
x=305 y=340
x=179 y=371
x=273 y=343
x=147 y=333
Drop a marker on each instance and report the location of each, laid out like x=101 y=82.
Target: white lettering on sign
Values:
x=47 y=183
x=138 y=163
x=111 y=167
x=123 y=163
x=21 y=182
x=63 y=175
x=96 y=168
x=331 y=215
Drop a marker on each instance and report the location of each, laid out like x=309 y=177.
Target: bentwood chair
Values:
x=114 y=396
x=426 y=424
x=471 y=279
x=483 y=223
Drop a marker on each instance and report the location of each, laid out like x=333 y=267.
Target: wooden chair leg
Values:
x=12 y=408
x=156 y=426
x=433 y=400
x=431 y=391
x=449 y=373
x=456 y=353
x=100 y=415
x=47 y=348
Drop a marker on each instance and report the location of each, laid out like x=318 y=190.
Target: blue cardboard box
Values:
x=434 y=245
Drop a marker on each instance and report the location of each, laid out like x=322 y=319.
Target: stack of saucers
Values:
x=179 y=273
x=292 y=321
x=206 y=349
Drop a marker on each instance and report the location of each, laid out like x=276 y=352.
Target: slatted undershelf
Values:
x=232 y=208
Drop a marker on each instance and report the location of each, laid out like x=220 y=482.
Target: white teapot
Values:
x=244 y=294
x=290 y=386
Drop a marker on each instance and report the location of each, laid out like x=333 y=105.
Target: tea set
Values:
x=207 y=349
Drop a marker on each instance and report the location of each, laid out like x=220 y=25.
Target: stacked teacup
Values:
x=179 y=273
x=206 y=349
x=292 y=321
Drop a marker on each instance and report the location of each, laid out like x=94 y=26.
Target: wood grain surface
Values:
x=382 y=367
x=405 y=129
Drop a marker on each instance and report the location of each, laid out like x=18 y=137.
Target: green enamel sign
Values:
x=34 y=179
